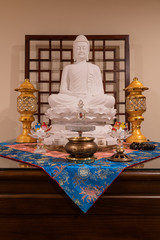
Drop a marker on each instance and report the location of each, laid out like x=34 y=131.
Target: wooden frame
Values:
x=53 y=52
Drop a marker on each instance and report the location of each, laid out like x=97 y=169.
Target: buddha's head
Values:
x=80 y=48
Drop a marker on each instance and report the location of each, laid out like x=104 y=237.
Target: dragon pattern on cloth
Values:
x=83 y=183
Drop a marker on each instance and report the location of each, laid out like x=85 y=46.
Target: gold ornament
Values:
x=81 y=149
x=135 y=106
x=26 y=106
x=120 y=156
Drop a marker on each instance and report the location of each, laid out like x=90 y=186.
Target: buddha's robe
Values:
x=81 y=81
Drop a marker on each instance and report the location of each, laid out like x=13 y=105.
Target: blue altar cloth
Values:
x=83 y=183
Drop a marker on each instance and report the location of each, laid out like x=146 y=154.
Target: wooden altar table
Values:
x=33 y=206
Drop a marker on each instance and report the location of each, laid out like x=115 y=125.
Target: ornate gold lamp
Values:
x=135 y=106
x=26 y=106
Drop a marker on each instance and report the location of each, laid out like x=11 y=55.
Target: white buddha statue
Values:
x=81 y=81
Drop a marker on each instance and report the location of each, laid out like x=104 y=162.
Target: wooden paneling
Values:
x=33 y=206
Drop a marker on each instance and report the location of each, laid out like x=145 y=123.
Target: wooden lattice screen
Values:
x=46 y=56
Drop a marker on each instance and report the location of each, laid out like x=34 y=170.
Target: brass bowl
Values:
x=81 y=149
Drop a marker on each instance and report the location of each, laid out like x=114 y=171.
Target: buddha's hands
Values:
x=80 y=95
x=74 y=94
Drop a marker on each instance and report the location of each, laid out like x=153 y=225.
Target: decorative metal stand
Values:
x=40 y=134
x=120 y=156
x=120 y=132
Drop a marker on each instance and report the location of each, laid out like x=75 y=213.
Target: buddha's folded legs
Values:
x=104 y=100
x=56 y=100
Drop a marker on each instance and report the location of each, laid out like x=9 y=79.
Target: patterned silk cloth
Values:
x=83 y=183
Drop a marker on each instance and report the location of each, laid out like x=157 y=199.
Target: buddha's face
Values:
x=81 y=51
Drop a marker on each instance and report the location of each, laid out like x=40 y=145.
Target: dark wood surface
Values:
x=33 y=206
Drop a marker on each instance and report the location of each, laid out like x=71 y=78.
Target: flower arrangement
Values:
x=120 y=131
x=40 y=132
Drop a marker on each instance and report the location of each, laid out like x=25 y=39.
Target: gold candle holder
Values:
x=135 y=106
x=26 y=106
